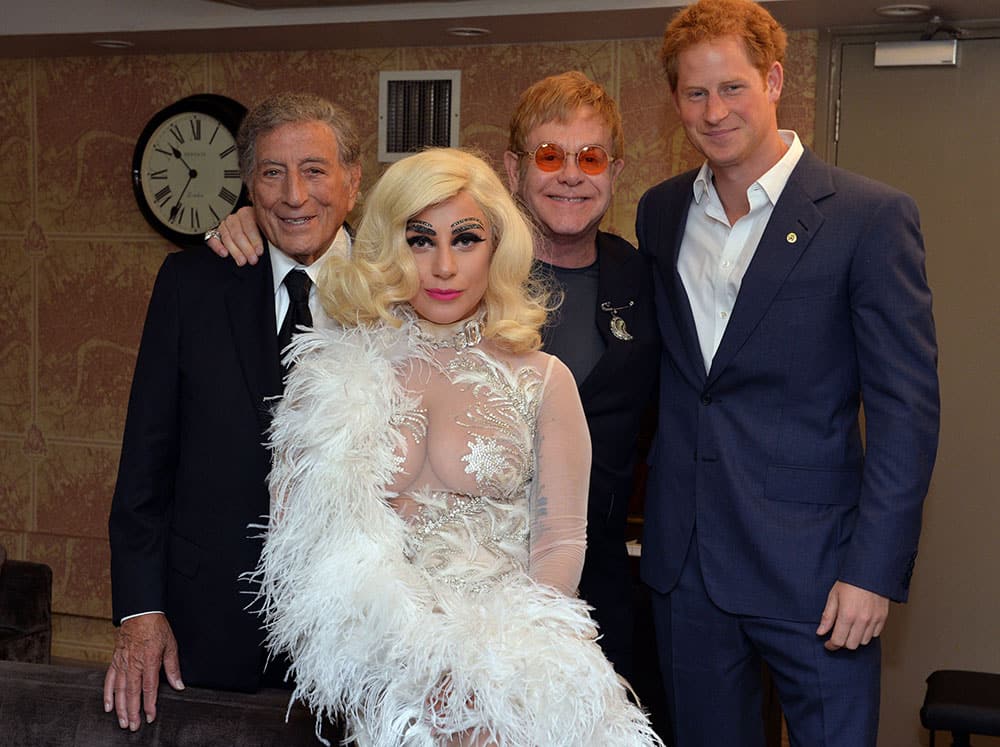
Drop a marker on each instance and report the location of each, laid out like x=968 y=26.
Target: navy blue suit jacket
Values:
x=764 y=452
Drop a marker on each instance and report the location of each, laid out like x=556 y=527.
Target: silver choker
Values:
x=468 y=335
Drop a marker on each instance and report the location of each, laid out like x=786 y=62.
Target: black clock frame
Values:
x=228 y=111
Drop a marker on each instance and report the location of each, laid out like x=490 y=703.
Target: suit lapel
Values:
x=250 y=305
x=673 y=220
x=791 y=228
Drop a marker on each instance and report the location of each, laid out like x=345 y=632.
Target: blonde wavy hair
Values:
x=381 y=274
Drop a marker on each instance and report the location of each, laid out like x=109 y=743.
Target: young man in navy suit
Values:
x=789 y=294
x=192 y=477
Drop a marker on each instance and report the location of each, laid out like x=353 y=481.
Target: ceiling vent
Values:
x=417 y=109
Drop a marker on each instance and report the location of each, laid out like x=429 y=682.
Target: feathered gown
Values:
x=426 y=538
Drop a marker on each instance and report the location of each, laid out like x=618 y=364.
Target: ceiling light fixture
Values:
x=113 y=43
x=468 y=31
x=903 y=10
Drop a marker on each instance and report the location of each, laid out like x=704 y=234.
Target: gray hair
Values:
x=289 y=107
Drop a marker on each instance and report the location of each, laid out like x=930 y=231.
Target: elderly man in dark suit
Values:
x=192 y=477
x=788 y=293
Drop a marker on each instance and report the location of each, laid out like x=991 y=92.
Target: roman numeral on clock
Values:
x=176 y=132
x=227 y=151
x=163 y=196
x=196 y=128
x=228 y=196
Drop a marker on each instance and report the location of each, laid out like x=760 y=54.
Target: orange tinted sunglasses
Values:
x=590 y=159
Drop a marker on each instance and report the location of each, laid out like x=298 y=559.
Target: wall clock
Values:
x=185 y=170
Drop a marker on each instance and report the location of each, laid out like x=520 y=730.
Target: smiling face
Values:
x=452 y=246
x=728 y=108
x=301 y=191
x=568 y=204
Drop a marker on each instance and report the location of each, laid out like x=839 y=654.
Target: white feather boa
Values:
x=370 y=637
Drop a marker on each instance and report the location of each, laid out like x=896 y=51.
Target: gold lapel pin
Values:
x=792 y=237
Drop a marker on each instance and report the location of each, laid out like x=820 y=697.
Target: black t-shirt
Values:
x=571 y=332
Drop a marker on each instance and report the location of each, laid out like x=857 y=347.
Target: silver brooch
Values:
x=617 y=324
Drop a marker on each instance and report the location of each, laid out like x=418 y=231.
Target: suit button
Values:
x=706 y=399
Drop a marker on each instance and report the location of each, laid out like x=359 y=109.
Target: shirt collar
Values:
x=773 y=181
x=282 y=264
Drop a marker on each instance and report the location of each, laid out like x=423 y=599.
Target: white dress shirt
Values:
x=714 y=256
x=282 y=264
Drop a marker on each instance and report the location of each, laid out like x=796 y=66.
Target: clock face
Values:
x=186 y=168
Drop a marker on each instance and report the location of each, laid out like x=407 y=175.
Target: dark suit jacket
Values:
x=764 y=452
x=193 y=467
x=615 y=396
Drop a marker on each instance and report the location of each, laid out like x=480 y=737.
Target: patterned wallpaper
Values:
x=79 y=260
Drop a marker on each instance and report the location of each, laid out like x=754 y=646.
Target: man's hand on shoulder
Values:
x=238 y=238
x=143 y=644
x=854 y=615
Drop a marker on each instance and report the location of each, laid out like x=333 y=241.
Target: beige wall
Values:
x=78 y=263
x=79 y=260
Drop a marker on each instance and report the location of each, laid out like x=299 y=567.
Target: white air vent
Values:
x=417 y=109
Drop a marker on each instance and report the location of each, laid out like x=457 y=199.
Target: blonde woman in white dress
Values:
x=429 y=488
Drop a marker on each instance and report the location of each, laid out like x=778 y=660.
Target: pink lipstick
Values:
x=443 y=294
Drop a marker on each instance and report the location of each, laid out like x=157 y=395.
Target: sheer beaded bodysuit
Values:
x=487 y=485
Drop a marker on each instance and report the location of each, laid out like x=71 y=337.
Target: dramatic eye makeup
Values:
x=467 y=224
x=423 y=234
x=467 y=232
x=420 y=226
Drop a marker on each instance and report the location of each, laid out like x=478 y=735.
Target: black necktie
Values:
x=298 y=284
